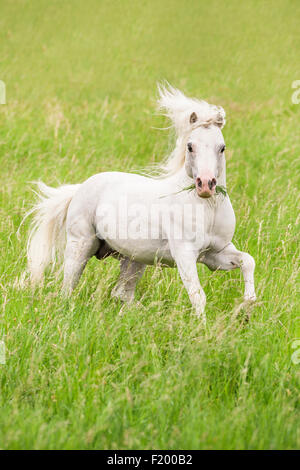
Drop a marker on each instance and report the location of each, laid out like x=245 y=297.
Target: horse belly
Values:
x=128 y=219
x=143 y=251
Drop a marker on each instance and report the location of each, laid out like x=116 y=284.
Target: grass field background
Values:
x=81 y=78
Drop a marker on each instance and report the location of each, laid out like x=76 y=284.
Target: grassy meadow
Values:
x=89 y=373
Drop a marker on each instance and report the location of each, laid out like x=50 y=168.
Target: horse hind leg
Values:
x=77 y=253
x=131 y=272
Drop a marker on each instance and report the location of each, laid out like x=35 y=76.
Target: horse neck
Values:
x=222 y=175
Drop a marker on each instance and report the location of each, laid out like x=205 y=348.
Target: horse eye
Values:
x=222 y=148
x=190 y=147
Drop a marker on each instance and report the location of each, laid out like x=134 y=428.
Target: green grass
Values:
x=80 y=80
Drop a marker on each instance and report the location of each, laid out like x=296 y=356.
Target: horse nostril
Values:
x=212 y=183
x=190 y=146
x=199 y=183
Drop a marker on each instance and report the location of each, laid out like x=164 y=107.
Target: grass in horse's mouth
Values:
x=219 y=189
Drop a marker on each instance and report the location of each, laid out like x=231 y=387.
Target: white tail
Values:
x=48 y=230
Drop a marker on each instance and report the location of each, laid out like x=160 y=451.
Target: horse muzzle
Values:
x=206 y=186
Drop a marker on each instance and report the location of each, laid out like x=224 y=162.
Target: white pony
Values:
x=144 y=219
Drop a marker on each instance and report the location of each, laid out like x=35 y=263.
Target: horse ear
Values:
x=193 y=118
x=220 y=120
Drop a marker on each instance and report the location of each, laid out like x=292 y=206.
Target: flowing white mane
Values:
x=179 y=109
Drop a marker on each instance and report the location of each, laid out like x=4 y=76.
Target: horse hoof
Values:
x=250 y=298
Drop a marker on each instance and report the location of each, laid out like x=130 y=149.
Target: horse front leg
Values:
x=186 y=261
x=231 y=258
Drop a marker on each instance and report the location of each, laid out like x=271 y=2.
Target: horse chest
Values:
x=221 y=231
